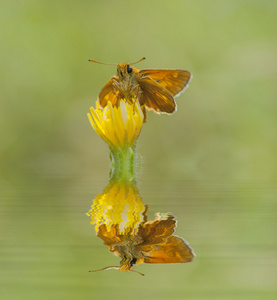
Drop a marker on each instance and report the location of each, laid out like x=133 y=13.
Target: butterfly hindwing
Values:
x=155 y=97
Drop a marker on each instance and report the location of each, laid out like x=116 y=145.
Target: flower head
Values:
x=119 y=126
x=119 y=205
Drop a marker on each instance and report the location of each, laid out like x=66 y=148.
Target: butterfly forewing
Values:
x=172 y=80
x=108 y=93
x=173 y=250
x=108 y=236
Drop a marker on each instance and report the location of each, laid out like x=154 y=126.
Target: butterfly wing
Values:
x=108 y=93
x=155 y=97
x=108 y=236
x=155 y=232
x=173 y=250
x=172 y=80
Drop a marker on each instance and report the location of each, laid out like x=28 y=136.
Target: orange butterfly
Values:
x=152 y=244
x=154 y=89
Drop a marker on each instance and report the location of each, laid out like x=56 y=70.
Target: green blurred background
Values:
x=213 y=163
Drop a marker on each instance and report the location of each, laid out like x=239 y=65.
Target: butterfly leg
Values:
x=118 y=91
x=136 y=92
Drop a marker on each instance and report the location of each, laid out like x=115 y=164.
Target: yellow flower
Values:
x=119 y=126
x=119 y=205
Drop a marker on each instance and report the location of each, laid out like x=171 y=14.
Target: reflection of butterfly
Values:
x=153 y=244
x=154 y=89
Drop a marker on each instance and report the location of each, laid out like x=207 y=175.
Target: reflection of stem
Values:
x=123 y=163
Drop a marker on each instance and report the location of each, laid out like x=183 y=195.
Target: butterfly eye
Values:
x=133 y=262
x=129 y=69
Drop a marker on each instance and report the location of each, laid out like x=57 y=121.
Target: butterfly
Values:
x=152 y=244
x=154 y=89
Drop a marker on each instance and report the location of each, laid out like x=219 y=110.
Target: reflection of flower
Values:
x=119 y=126
x=119 y=205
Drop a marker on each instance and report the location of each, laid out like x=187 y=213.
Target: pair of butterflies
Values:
x=154 y=89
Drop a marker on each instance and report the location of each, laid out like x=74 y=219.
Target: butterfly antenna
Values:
x=138 y=272
x=92 y=60
x=107 y=268
x=143 y=58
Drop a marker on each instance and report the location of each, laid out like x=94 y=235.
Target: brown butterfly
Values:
x=152 y=244
x=154 y=89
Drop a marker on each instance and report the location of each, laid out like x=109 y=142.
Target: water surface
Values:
x=48 y=244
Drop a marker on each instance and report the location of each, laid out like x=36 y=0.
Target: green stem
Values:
x=123 y=163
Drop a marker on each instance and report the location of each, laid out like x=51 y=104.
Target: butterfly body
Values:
x=126 y=83
x=154 y=89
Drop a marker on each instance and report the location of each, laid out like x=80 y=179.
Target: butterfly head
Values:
x=124 y=70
